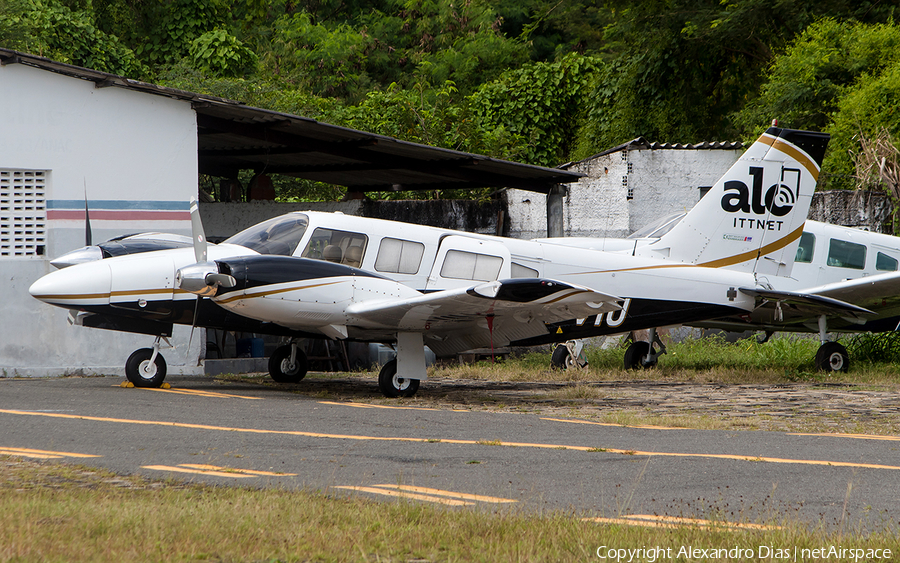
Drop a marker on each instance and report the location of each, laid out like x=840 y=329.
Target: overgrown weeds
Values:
x=784 y=359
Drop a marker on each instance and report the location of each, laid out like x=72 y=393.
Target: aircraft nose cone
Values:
x=75 y=286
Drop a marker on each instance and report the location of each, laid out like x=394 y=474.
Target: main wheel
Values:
x=280 y=368
x=393 y=386
x=634 y=355
x=141 y=372
x=561 y=358
x=832 y=356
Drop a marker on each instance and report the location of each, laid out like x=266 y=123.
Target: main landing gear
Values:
x=288 y=363
x=391 y=385
x=642 y=355
x=400 y=377
x=831 y=356
x=568 y=355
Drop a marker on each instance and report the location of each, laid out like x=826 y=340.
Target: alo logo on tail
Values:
x=778 y=200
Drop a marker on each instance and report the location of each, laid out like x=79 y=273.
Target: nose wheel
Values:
x=146 y=368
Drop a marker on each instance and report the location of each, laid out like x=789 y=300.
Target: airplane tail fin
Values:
x=753 y=217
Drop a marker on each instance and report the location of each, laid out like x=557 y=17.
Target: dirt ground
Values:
x=787 y=407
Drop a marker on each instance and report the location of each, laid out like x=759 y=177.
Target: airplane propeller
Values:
x=202 y=278
x=87 y=220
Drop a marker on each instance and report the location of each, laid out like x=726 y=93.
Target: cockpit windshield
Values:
x=276 y=236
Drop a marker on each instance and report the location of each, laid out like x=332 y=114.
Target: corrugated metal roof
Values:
x=641 y=144
x=233 y=136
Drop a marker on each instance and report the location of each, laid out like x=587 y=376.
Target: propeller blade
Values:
x=87 y=220
x=197 y=232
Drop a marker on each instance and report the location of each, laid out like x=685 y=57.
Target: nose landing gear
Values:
x=146 y=367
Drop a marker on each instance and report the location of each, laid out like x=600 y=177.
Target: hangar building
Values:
x=132 y=152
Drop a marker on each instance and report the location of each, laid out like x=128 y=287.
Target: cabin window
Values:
x=471 y=266
x=341 y=247
x=885 y=263
x=399 y=256
x=806 y=248
x=844 y=254
x=23 y=212
x=520 y=271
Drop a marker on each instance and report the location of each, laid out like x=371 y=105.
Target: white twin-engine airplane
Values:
x=329 y=275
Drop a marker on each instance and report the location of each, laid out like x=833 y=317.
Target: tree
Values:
x=49 y=28
x=687 y=66
x=541 y=103
x=839 y=77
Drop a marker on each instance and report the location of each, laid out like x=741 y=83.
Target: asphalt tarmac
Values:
x=243 y=434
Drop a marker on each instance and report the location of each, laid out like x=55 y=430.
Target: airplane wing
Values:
x=807 y=304
x=495 y=312
x=873 y=292
x=788 y=310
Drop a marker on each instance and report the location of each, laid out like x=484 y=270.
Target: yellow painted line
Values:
x=199 y=393
x=25 y=452
x=670 y=522
x=368 y=406
x=855 y=436
x=643 y=427
x=701 y=522
x=231 y=469
x=180 y=469
x=404 y=494
x=4 y=451
x=451 y=494
x=452 y=441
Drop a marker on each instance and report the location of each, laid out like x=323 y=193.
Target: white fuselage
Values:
x=419 y=257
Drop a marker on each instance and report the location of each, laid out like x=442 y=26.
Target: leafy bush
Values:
x=220 y=54
x=51 y=29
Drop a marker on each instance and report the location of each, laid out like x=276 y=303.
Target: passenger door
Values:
x=463 y=261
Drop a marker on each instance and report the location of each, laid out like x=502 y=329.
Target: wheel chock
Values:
x=128 y=385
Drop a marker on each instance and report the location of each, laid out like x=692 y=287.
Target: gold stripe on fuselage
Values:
x=273 y=292
x=772 y=247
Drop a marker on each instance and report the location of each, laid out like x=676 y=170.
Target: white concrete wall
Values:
x=597 y=204
x=667 y=181
x=527 y=214
x=136 y=155
x=663 y=181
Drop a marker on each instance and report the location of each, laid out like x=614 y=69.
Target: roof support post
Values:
x=555 y=211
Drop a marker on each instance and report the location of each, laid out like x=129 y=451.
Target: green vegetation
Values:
x=784 y=359
x=71 y=513
x=539 y=81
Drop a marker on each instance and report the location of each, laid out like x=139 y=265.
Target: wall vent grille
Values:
x=23 y=213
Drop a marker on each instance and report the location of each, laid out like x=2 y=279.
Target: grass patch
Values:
x=784 y=359
x=55 y=512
